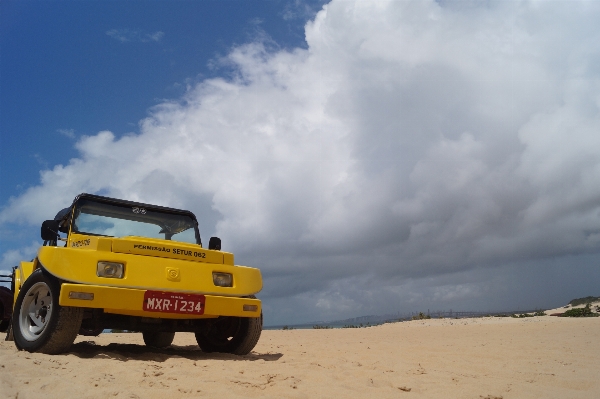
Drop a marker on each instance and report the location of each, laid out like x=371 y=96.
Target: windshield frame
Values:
x=69 y=217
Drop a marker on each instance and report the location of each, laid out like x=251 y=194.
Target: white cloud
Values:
x=155 y=37
x=12 y=257
x=134 y=35
x=410 y=139
x=70 y=133
x=301 y=10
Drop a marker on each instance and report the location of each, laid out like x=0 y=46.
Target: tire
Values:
x=40 y=324
x=3 y=322
x=158 y=340
x=91 y=332
x=236 y=335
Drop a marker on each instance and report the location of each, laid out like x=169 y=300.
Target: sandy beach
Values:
x=538 y=357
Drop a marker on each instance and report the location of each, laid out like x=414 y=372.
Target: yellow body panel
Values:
x=79 y=265
x=150 y=247
x=149 y=264
x=130 y=302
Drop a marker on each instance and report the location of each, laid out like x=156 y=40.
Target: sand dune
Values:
x=539 y=357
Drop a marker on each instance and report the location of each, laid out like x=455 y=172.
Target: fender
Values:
x=21 y=274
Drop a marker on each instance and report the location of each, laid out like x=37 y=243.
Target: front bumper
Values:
x=128 y=301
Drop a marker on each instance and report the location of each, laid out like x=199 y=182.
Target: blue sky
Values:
x=368 y=156
x=62 y=70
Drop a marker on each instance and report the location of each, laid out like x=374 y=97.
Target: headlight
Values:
x=223 y=279
x=110 y=269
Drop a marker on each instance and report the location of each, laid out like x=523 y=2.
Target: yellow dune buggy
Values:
x=132 y=266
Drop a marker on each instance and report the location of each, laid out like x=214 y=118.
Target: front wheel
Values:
x=237 y=335
x=39 y=323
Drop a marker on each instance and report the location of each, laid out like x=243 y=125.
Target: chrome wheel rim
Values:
x=36 y=311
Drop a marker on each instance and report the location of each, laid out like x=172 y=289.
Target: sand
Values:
x=538 y=357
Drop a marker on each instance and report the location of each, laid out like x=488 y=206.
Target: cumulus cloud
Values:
x=409 y=140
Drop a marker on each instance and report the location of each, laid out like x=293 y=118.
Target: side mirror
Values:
x=50 y=230
x=214 y=243
x=62 y=215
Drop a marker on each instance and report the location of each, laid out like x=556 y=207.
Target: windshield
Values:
x=120 y=220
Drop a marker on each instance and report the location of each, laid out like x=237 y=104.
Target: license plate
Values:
x=171 y=302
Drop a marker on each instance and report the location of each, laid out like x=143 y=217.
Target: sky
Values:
x=369 y=157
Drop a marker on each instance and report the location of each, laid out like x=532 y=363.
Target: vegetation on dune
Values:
x=586 y=300
x=318 y=327
x=520 y=316
x=580 y=312
x=421 y=316
x=361 y=325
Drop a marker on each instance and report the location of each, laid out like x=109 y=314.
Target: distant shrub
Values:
x=580 y=312
x=540 y=313
x=521 y=316
x=287 y=328
x=361 y=325
x=421 y=316
x=317 y=327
